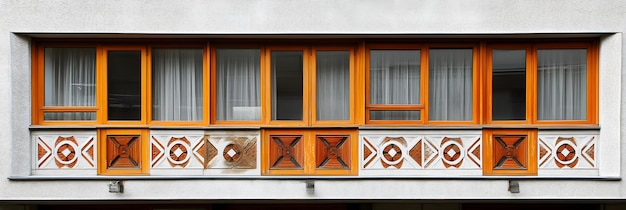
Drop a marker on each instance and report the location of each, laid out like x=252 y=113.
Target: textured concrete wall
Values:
x=20 y=19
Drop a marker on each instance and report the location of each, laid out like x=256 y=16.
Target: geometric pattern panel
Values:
x=567 y=151
x=234 y=151
x=286 y=151
x=123 y=151
x=71 y=151
x=177 y=151
x=332 y=151
x=421 y=152
x=510 y=151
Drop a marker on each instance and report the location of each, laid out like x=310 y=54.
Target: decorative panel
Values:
x=232 y=151
x=310 y=152
x=332 y=152
x=566 y=153
x=421 y=153
x=286 y=152
x=124 y=151
x=184 y=151
x=510 y=152
x=64 y=151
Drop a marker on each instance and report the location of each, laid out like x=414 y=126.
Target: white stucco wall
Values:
x=20 y=19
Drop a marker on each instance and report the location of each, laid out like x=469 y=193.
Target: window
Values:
x=344 y=83
x=283 y=85
x=109 y=85
x=542 y=84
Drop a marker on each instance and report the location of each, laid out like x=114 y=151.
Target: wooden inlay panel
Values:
x=286 y=152
x=123 y=151
x=332 y=152
x=510 y=152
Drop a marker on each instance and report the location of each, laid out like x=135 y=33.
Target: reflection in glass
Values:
x=287 y=85
x=124 y=85
x=509 y=85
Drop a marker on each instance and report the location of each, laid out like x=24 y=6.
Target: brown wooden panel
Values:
x=332 y=152
x=123 y=151
x=510 y=151
x=286 y=151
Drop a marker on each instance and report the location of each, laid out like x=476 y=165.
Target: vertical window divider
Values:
x=149 y=83
x=424 y=89
x=101 y=79
x=531 y=107
x=207 y=79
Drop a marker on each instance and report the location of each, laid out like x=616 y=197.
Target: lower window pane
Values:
x=395 y=115
x=70 y=116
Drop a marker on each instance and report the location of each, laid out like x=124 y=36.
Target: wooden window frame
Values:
x=531 y=83
x=476 y=83
x=309 y=86
x=101 y=106
x=396 y=107
x=38 y=78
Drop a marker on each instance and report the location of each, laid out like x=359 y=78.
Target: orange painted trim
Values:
x=360 y=78
x=144 y=158
x=531 y=155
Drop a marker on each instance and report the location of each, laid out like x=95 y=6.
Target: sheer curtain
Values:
x=70 y=81
x=395 y=79
x=238 y=78
x=333 y=85
x=562 y=84
x=450 y=84
x=177 y=84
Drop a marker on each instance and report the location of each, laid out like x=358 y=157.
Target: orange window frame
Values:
x=531 y=83
x=38 y=78
x=102 y=75
x=475 y=84
x=529 y=74
x=205 y=85
x=396 y=107
x=592 y=81
x=352 y=86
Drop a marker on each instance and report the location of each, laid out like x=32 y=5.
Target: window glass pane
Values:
x=77 y=116
x=124 y=85
x=562 y=84
x=509 y=85
x=70 y=77
x=238 y=84
x=177 y=84
x=450 y=84
x=394 y=115
x=287 y=85
x=333 y=85
x=395 y=77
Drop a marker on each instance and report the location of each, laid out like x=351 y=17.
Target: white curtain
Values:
x=395 y=79
x=70 y=81
x=238 y=77
x=333 y=85
x=562 y=84
x=450 y=84
x=177 y=84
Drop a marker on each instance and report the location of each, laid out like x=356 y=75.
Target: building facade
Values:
x=312 y=104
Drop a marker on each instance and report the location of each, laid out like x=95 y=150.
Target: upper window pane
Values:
x=177 y=84
x=238 y=84
x=124 y=85
x=450 y=84
x=509 y=85
x=562 y=84
x=394 y=77
x=333 y=85
x=287 y=85
x=70 y=77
